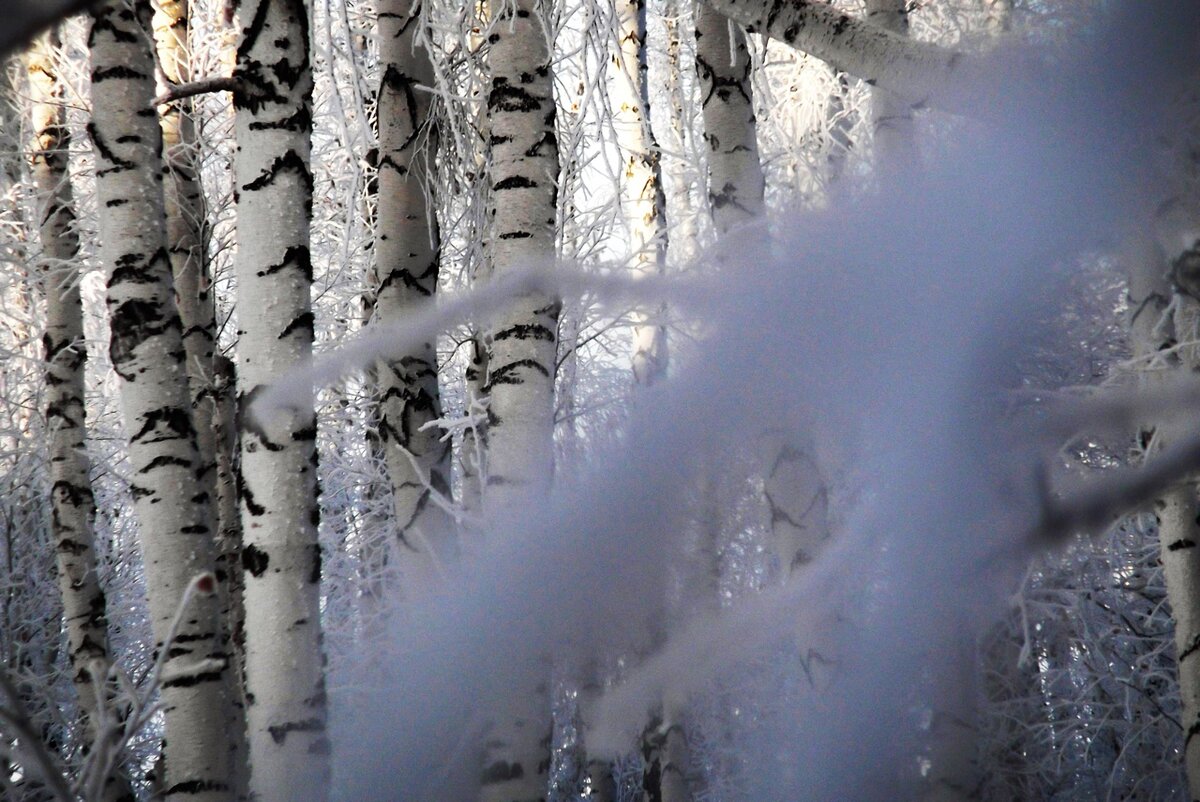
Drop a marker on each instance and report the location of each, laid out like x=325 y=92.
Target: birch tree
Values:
x=521 y=346
x=407 y=250
x=285 y=683
x=73 y=504
x=147 y=354
x=642 y=198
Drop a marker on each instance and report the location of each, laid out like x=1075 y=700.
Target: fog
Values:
x=888 y=331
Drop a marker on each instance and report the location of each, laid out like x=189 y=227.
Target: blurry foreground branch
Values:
x=24 y=19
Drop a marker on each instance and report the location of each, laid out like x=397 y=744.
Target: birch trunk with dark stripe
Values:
x=735 y=176
x=170 y=500
x=521 y=348
x=186 y=232
x=642 y=199
x=73 y=507
x=407 y=254
x=285 y=683
x=915 y=70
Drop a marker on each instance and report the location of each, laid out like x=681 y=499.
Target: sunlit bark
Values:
x=147 y=353
x=285 y=682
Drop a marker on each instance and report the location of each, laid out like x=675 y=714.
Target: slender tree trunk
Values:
x=891 y=115
x=407 y=250
x=520 y=348
x=285 y=683
x=186 y=213
x=147 y=353
x=73 y=507
x=735 y=176
x=642 y=200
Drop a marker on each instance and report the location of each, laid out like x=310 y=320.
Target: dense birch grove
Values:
x=599 y=400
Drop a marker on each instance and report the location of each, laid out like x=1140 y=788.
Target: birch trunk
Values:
x=521 y=347
x=522 y=211
x=407 y=253
x=185 y=209
x=915 y=70
x=891 y=115
x=73 y=508
x=147 y=353
x=285 y=684
x=642 y=200
x=735 y=176
x=185 y=229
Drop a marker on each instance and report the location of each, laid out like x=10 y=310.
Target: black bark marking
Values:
x=247 y=423
x=302 y=323
x=507 y=374
x=525 y=331
x=191 y=680
x=164 y=460
x=118 y=164
x=314 y=573
x=255 y=560
x=515 y=182
x=195 y=787
x=164 y=423
x=292 y=161
x=132 y=323
x=279 y=732
x=501 y=771
x=297 y=257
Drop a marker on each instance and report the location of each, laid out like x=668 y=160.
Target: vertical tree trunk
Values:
x=735 y=176
x=185 y=209
x=285 y=684
x=73 y=508
x=642 y=199
x=891 y=116
x=147 y=353
x=407 y=252
x=520 y=349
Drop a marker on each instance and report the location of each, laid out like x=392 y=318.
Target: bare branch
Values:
x=222 y=83
x=24 y=19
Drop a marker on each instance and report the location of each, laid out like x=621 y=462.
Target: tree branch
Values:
x=203 y=86
x=916 y=70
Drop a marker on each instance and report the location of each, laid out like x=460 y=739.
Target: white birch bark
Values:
x=521 y=347
x=147 y=353
x=407 y=254
x=285 y=685
x=73 y=507
x=185 y=209
x=185 y=228
x=522 y=211
x=891 y=115
x=915 y=70
x=735 y=176
x=642 y=199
